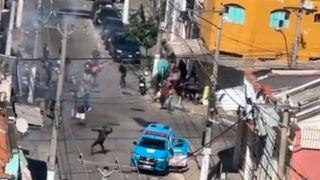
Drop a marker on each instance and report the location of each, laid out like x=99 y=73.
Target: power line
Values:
x=277 y=149
x=240 y=105
x=253 y=151
x=216 y=26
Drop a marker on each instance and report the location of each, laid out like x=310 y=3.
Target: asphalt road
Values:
x=123 y=109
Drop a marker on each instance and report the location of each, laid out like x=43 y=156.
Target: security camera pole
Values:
x=125 y=16
x=38 y=32
x=305 y=7
x=55 y=128
x=11 y=23
x=212 y=114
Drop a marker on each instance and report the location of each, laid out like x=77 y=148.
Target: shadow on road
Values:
x=102 y=152
x=151 y=173
x=126 y=93
x=141 y=122
x=75 y=12
x=137 y=109
x=224 y=165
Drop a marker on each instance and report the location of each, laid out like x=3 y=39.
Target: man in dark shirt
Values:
x=103 y=133
x=123 y=72
x=95 y=53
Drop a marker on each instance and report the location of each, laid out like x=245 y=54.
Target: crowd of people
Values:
x=180 y=81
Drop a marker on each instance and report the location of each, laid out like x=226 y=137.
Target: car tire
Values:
x=165 y=172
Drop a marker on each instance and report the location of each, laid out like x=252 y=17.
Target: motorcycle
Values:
x=142 y=85
x=81 y=114
x=79 y=110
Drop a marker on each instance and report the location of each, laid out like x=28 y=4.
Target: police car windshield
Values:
x=153 y=143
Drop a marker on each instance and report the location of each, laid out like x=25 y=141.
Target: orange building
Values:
x=249 y=29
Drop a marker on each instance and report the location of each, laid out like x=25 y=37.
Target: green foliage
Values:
x=155 y=83
x=143 y=31
x=146 y=63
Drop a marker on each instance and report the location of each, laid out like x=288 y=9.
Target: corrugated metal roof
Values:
x=225 y=100
x=183 y=47
x=310 y=135
x=30 y=113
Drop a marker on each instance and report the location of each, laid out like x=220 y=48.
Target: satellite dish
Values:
x=22 y=125
x=308 y=5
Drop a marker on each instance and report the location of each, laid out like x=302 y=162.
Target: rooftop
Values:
x=4 y=146
x=272 y=82
x=304 y=160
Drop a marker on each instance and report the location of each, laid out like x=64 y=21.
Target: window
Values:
x=317 y=18
x=279 y=18
x=153 y=143
x=234 y=14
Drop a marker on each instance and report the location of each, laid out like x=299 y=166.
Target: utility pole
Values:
x=158 y=48
x=1 y=8
x=211 y=108
x=38 y=31
x=166 y=14
x=55 y=128
x=305 y=6
x=175 y=15
x=296 y=40
x=19 y=13
x=125 y=16
x=217 y=52
x=11 y=22
x=283 y=142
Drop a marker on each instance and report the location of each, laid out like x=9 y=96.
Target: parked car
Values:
x=111 y=24
x=118 y=1
x=158 y=149
x=124 y=50
x=111 y=35
x=99 y=4
x=114 y=1
x=105 y=12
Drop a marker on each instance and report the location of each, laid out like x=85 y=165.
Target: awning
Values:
x=188 y=47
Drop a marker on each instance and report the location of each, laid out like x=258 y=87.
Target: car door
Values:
x=170 y=146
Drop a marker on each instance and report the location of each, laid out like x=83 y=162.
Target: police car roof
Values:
x=158 y=128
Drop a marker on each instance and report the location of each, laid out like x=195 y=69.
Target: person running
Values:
x=46 y=64
x=103 y=133
x=67 y=69
x=123 y=72
x=95 y=53
x=85 y=88
x=45 y=52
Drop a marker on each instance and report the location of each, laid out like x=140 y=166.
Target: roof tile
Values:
x=4 y=146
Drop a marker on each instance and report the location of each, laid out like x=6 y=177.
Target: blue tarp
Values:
x=12 y=167
x=162 y=66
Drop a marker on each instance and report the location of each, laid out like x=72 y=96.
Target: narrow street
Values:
x=125 y=110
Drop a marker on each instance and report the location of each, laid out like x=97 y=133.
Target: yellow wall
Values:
x=255 y=38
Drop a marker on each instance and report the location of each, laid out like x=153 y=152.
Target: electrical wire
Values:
x=216 y=26
x=251 y=149
x=277 y=150
x=79 y=152
x=255 y=48
x=272 y=118
x=240 y=105
x=86 y=59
